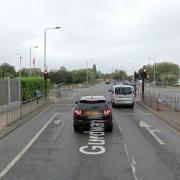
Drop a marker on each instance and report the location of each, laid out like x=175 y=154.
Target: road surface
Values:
x=140 y=146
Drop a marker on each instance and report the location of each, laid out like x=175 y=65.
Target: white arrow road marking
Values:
x=57 y=122
x=143 y=124
x=59 y=130
x=147 y=126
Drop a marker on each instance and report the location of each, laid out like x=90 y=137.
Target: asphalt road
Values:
x=140 y=147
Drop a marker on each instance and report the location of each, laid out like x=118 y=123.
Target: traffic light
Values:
x=45 y=74
x=144 y=72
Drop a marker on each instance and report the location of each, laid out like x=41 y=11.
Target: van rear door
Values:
x=124 y=93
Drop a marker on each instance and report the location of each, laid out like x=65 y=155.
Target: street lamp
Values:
x=132 y=69
x=87 y=78
x=45 y=66
x=154 y=69
x=30 y=59
x=20 y=58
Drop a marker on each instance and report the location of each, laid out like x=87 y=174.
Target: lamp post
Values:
x=30 y=72
x=20 y=58
x=154 y=72
x=45 y=66
x=87 y=76
x=132 y=69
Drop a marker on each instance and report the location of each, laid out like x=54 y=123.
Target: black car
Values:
x=90 y=108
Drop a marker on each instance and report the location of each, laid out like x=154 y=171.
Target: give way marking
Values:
x=152 y=132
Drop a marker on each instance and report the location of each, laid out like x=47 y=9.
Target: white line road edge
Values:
x=25 y=149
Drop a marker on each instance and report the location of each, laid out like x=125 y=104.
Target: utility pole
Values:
x=144 y=76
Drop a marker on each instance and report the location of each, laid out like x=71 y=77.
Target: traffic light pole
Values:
x=143 y=75
x=143 y=87
x=45 y=84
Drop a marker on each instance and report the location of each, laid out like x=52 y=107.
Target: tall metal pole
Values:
x=44 y=49
x=30 y=63
x=20 y=67
x=154 y=81
x=45 y=65
x=30 y=69
x=154 y=72
x=87 y=74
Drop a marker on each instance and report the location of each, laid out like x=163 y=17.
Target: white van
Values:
x=122 y=95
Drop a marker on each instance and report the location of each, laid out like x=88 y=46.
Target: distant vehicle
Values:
x=92 y=108
x=122 y=95
x=108 y=81
x=160 y=83
x=177 y=83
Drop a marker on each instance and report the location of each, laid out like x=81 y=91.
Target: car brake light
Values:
x=78 y=111
x=107 y=112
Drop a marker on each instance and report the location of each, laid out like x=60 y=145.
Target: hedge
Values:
x=30 y=84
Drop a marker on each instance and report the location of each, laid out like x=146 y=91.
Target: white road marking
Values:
x=133 y=163
x=134 y=171
x=24 y=150
x=127 y=153
x=143 y=124
x=58 y=131
x=120 y=129
x=147 y=126
x=57 y=122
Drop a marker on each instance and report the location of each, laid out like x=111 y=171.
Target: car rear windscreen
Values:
x=94 y=106
x=123 y=90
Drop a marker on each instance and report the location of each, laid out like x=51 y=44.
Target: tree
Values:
x=160 y=69
x=119 y=75
x=7 y=70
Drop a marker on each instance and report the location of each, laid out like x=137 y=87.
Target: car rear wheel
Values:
x=76 y=128
x=132 y=106
x=110 y=128
x=113 y=105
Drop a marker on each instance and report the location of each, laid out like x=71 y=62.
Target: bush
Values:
x=30 y=84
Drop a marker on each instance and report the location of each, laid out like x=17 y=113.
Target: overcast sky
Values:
x=113 y=34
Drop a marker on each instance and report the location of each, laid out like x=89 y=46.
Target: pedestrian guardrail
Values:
x=162 y=102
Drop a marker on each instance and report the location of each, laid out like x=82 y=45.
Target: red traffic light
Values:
x=45 y=74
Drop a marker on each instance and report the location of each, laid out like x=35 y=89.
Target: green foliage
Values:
x=7 y=70
x=168 y=77
x=119 y=75
x=30 y=84
x=164 y=71
x=74 y=76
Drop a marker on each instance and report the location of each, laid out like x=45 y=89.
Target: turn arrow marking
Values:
x=57 y=122
x=147 y=126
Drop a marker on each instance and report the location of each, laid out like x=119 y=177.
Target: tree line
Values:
x=164 y=71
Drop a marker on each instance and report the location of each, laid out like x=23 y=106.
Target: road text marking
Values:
x=96 y=139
